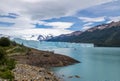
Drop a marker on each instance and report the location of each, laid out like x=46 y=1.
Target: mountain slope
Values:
x=101 y=35
x=66 y=37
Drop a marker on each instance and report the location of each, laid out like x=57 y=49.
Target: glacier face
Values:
x=51 y=45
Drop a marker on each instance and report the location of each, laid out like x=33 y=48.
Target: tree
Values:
x=4 y=42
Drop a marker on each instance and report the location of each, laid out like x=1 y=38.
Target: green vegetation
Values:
x=7 y=50
x=4 y=42
x=7 y=74
x=6 y=65
x=17 y=50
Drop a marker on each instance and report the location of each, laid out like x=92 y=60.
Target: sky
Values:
x=32 y=17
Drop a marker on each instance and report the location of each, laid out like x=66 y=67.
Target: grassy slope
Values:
x=6 y=63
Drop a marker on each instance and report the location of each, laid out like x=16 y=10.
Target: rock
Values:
x=47 y=77
x=24 y=72
x=63 y=75
x=70 y=77
x=77 y=76
x=50 y=73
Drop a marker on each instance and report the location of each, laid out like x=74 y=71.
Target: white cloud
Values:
x=87 y=24
x=23 y=25
x=42 y=9
x=20 y=22
x=88 y=19
x=32 y=11
x=42 y=31
x=115 y=18
x=57 y=25
x=86 y=27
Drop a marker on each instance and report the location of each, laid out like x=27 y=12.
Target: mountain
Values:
x=65 y=37
x=47 y=37
x=100 y=35
x=36 y=37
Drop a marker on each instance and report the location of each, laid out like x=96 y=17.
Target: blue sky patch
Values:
x=107 y=9
x=42 y=26
x=9 y=15
x=6 y=24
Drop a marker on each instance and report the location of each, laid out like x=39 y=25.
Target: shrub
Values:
x=7 y=74
x=10 y=64
x=5 y=70
x=2 y=54
x=4 y=42
x=6 y=65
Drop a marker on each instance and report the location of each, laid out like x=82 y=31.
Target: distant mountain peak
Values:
x=43 y=37
x=103 y=26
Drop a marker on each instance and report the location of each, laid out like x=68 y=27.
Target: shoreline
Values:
x=43 y=59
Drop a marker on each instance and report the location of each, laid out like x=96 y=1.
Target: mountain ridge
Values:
x=100 y=35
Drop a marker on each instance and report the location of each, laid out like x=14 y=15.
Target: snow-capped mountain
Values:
x=104 y=26
x=36 y=37
x=30 y=37
x=43 y=37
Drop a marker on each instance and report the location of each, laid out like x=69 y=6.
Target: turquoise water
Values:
x=97 y=63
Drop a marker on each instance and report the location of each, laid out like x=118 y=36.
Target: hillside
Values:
x=101 y=35
x=19 y=63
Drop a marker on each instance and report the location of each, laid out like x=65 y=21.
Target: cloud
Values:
x=42 y=31
x=22 y=22
x=9 y=15
x=57 y=25
x=46 y=9
x=115 y=18
x=87 y=24
x=34 y=11
x=88 y=19
x=86 y=27
x=90 y=22
x=60 y=25
x=106 y=9
x=24 y=25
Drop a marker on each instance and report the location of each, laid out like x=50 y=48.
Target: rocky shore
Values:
x=24 y=72
x=44 y=59
x=33 y=66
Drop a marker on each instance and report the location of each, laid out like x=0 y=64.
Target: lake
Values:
x=97 y=63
